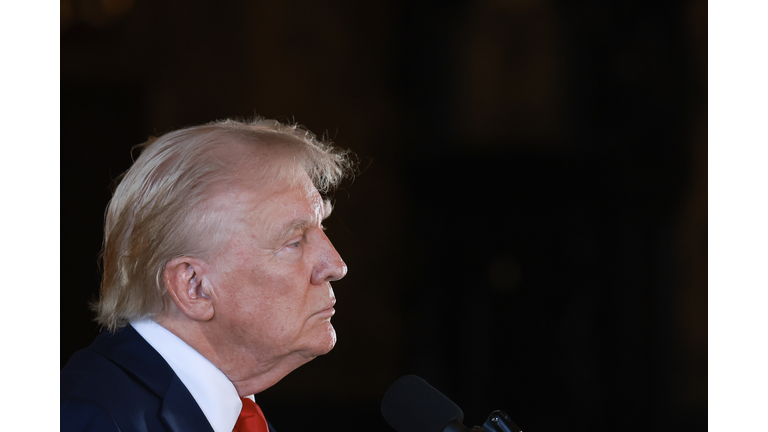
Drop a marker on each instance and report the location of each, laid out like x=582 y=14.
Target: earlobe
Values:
x=185 y=284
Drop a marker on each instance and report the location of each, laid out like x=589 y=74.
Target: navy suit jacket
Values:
x=120 y=383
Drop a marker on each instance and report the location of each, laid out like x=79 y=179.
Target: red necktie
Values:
x=251 y=418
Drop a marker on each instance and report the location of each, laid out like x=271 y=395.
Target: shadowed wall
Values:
x=528 y=229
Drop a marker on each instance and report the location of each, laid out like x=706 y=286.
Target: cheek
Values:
x=267 y=289
x=266 y=298
x=241 y=294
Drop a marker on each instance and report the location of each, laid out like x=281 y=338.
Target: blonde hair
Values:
x=162 y=209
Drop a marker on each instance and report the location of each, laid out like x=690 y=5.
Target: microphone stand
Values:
x=498 y=421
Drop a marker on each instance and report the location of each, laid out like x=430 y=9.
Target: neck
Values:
x=249 y=372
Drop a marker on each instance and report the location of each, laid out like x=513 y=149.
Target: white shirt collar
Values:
x=212 y=390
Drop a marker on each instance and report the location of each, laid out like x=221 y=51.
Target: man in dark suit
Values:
x=216 y=280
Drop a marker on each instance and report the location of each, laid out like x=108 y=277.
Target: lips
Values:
x=331 y=304
x=329 y=308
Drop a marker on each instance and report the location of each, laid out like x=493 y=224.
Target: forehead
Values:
x=269 y=207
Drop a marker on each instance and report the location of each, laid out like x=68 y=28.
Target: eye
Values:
x=295 y=242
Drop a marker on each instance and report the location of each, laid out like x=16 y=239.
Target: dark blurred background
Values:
x=528 y=230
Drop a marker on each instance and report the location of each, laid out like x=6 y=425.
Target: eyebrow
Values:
x=302 y=223
x=295 y=225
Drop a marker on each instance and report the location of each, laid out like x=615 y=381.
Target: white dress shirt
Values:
x=212 y=390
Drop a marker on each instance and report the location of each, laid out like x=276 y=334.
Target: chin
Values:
x=328 y=338
x=321 y=342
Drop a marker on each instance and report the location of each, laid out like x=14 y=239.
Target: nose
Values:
x=330 y=267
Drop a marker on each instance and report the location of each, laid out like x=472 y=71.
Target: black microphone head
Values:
x=412 y=405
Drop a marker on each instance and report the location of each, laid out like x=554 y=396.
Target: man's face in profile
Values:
x=271 y=283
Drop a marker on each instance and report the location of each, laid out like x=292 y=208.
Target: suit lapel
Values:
x=135 y=356
x=180 y=411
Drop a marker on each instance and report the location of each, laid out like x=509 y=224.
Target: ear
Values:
x=184 y=281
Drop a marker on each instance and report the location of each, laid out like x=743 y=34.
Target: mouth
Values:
x=329 y=310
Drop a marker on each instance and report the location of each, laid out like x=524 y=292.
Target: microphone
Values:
x=412 y=405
